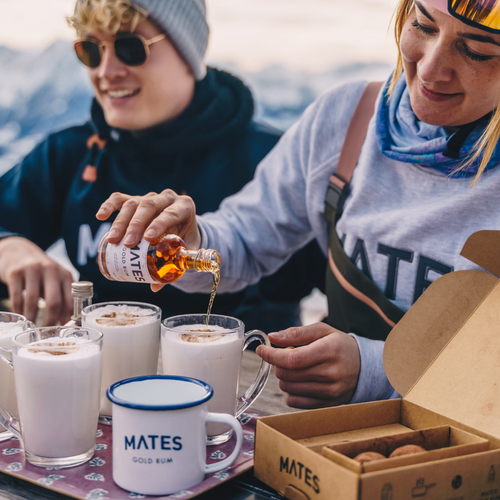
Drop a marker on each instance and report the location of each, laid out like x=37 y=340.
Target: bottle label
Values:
x=128 y=264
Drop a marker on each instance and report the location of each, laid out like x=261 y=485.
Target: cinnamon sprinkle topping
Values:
x=56 y=352
x=112 y=319
x=186 y=337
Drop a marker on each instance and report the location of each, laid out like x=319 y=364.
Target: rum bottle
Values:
x=162 y=261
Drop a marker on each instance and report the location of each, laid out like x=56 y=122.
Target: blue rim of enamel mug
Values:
x=136 y=406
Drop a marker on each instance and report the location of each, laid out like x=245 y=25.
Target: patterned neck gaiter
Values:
x=401 y=136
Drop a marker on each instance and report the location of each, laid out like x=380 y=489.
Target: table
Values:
x=245 y=487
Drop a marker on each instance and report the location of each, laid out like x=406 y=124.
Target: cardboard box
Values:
x=444 y=357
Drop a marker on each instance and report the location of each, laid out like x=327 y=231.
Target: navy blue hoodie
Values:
x=209 y=152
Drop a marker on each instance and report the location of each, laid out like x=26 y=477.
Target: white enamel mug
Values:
x=159 y=433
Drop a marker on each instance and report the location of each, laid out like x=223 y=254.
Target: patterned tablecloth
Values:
x=94 y=480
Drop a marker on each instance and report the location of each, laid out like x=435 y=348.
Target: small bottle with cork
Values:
x=82 y=292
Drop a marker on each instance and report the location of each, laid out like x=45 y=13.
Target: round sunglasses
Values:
x=130 y=48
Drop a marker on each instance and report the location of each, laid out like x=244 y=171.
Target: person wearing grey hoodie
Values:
x=401 y=223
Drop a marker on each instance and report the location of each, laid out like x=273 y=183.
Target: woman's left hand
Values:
x=322 y=369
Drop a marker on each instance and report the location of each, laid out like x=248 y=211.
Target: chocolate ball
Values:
x=369 y=456
x=408 y=449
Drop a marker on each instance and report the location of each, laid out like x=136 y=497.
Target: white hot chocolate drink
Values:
x=57 y=382
x=131 y=342
x=213 y=356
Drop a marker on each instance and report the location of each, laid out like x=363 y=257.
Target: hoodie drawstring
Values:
x=96 y=146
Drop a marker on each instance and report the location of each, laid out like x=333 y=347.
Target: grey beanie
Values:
x=185 y=23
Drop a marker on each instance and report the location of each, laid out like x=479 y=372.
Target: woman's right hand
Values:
x=150 y=216
x=26 y=267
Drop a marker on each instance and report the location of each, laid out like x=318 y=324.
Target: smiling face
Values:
x=452 y=70
x=136 y=98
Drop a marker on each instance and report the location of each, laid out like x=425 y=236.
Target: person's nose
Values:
x=111 y=67
x=436 y=63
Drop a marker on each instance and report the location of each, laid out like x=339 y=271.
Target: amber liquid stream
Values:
x=216 y=277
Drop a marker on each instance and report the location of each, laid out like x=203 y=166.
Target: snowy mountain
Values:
x=39 y=92
x=43 y=91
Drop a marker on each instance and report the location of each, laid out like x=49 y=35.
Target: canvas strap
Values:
x=356 y=304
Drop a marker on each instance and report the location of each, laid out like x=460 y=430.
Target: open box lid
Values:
x=444 y=354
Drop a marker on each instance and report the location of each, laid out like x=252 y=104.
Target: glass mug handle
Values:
x=262 y=377
x=7 y=420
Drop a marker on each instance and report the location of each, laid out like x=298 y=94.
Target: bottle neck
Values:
x=202 y=260
x=78 y=304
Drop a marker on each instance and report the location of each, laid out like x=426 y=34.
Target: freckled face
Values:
x=453 y=78
x=139 y=97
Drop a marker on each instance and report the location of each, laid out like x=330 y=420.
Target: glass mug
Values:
x=213 y=356
x=10 y=324
x=57 y=372
x=131 y=343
